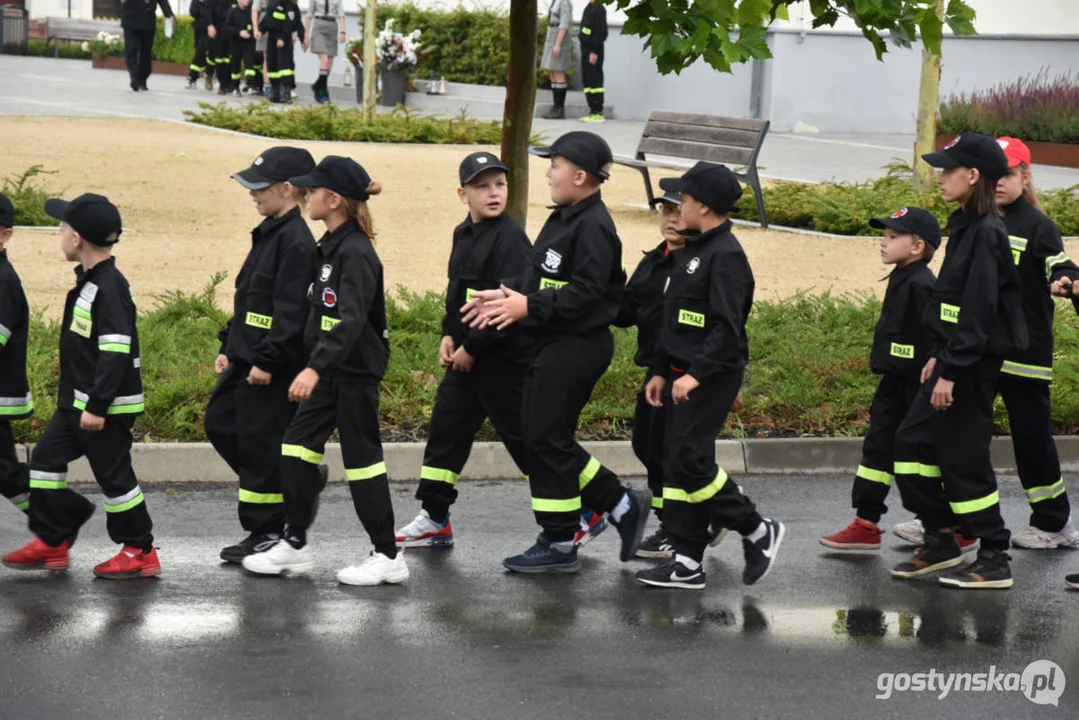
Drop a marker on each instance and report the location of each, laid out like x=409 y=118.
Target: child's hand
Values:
x=942 y=394
x=928 y=369
x=653 y=391
x=304 y=384
x=682 y=387
x=593 y=58
x=280 y=43
x=462 y=360
x=738 y=404
x=471 y=310
x=258 y=34
x=91 y=423
x=306 y=44
x=245 y=35
x=258 y=376
x=1062 y=287
x=221 y=364
x=212 y=32
x=503 y=313
x=445 y=351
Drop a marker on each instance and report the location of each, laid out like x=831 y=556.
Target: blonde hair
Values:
x=358 y=209
x=1030 y=193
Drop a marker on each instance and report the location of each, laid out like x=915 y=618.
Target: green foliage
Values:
x=724 y=34
x=846 y=208
x=1038 y=108
x=180 y=48
x=329 y=122
x=68 y=50
x=28 y=196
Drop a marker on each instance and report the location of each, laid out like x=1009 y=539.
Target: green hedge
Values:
x=68 y=51
x=180 y=48
x=28 y=194
x=809 y=370
x=463 y=45
x=1038 y=108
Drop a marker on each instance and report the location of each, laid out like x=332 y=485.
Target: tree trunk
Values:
x=370 y=61
x=928 y=98
x=520 y=103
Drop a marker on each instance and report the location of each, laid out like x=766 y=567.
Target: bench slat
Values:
x=706 y=120
x=696 y=150
x=701 y=133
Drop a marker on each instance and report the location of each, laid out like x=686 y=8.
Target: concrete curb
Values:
x=197 y=462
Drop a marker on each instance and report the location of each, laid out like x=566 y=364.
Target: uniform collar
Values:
x=902 y=273
x=1016 y=207
x=568 y=212
x=331 y=240
x=270 y=224
x=482 y=225
x=960 y=220
x=708 y=235
x=85 y=275
x=3 y=257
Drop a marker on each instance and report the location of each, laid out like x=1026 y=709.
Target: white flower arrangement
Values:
x=107 y=38
x=397 y=51
x=85 y=46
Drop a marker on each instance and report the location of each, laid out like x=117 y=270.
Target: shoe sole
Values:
x=1063 y=545
x=38 y=566
x=775 y=553
x=1071 y=585
x=385 y=581
x=972 y=548
x=148 y=573
x=974 y=585
x=655 y=554
x=714 y=542
x=294 y=571
x=564 y=569
x=954 y=562
x=671 y=584
x=426 y=542
x=594 y=532
x=848 y=546
x=909 y=537
x=642 y=521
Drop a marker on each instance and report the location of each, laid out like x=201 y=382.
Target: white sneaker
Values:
x=910 y=531
x=425 y=532
x=281 y=559
x=1032 y=538
x=375 y=570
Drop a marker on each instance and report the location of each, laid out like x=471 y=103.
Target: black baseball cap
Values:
x=7 y=212
x=92 y=216
x=478 y=163
x=670 y=198
x=276 y=165
x=342 y=175
x=912 y=220
x=972 y=150
x=712 y=184
x=586 y=150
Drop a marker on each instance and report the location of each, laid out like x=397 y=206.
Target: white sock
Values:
x=621 y=508
x=689 y=562
x=564 y=546
x=757 y=534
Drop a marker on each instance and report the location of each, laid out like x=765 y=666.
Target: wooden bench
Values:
x=58 y=28
x=734 y=142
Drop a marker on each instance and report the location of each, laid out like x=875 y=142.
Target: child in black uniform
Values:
x=700 y=361
x=203 y=61
x=900 y=348
x=567 y=299
x=339 y=387
x=593 y=35
x=262 y=347
x=16 y=402
x=100 y=396
x=241 y=48
x=282 y=25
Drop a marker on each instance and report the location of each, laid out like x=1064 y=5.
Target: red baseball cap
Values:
x=1015 y=150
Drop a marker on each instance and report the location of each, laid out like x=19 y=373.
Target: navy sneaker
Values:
x=631 y=527
x=761 y=555
x=542 y=558
x=592 y=526
x=672 y=574
x=990 y=571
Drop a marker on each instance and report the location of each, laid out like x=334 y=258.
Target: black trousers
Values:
x=139 y=54
x=1036 y=459
x=242 y=62
x=942 y=464
x=890 y=406
x=219 y=50
x=279 y=62
x=201 y=62
x=351 y=406
x=246 y=423
x=697 y=493
x=14 y=473
x=563 y=475
x=57 y=512
x=649 y=430
x=592 y=77
x=464 y=400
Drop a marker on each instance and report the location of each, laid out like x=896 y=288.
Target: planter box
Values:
x=109 y=62
x=1040 y=152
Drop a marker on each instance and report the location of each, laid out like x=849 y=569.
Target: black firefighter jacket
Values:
x=901 y=343
x=642 y=302
x=15 y=399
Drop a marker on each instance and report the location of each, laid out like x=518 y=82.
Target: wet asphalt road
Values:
x=464 y=639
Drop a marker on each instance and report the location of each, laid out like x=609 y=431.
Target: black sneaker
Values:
x=990 y=571
x=761 y=555
x=939 y=552
x=656 y=546
x=142 y=86
x=253 y=543
x=672 y=574
x=190 y=84
x=631 y=527
x=557 y=112
x=1072 y=582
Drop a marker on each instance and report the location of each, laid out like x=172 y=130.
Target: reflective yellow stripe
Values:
x=657 y=502
x=546 y=283
x=686 y=317
x=874 y=475
x=366 y=473
x=697 y=496
x=905 y=352
x=279 y=16
x=301 y=453
x=1052 y=262
x=1019 y=246
x=329 y=323
x=586 y=31
x=438 y=475
x=1046 y=492
x=126 y=505
x=263 y=322
x=949 y=313
x=595 y=91
x=258 y=498
x=36 y=484
x=115 y=347
x=589 y=472
x=544 y=505
x=913 y=468
x=23 y=505
x=972 y=506
x=1034 y=372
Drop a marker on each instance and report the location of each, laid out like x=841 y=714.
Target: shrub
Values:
x=328 y=122
x=180 y=48
x=1037 y=108
x=68 y=51
x=28 y=196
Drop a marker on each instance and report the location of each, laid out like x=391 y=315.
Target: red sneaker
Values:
x=859 y=535
x=129 y=563
x=592 y=525
x=37 y=555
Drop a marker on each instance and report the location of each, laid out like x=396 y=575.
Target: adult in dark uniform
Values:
x=139 y=21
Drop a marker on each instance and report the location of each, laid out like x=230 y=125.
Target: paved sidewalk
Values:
x=43 y=86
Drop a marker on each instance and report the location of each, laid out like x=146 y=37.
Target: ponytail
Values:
x=358 y=210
